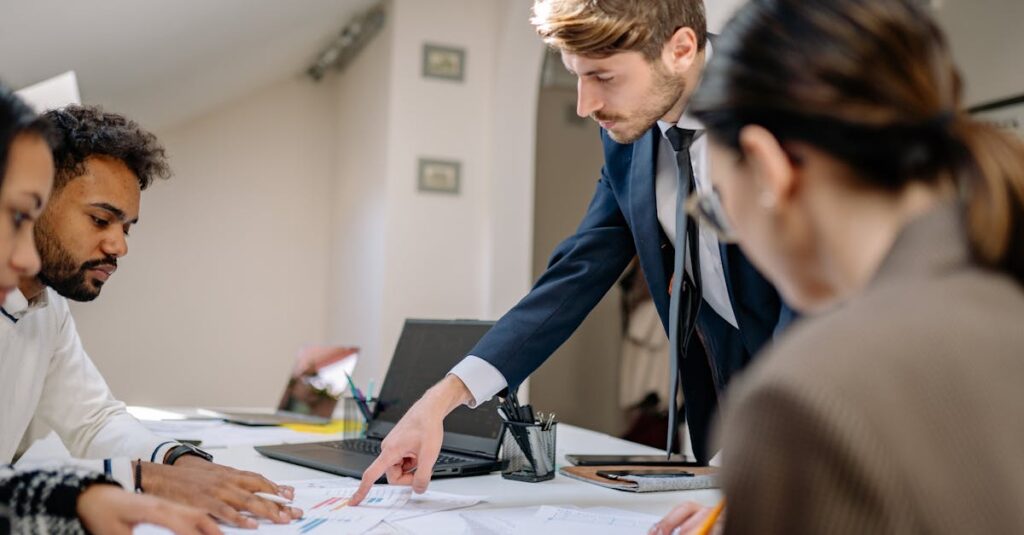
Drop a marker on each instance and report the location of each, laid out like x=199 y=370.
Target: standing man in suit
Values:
x=637 y=63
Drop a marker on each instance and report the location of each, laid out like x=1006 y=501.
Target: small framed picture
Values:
x=439 y=176
x=444 y=62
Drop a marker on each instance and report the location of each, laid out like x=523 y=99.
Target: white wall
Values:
x=294 y=216
x=359 y=202
x=719 y=11
x=435 y=243
x=227 y=268
x=520 y=57
x=984 y=36
x=580 y=382
x=442 y=256
x=987 y=46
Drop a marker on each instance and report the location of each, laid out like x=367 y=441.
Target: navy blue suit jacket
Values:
x=621 y=222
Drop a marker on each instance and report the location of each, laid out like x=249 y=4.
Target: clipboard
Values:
x=704 y=477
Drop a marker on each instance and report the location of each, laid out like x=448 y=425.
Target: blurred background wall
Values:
x=294 y=218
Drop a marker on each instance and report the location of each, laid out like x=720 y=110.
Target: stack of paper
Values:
x=416 y=505
x=219 y=434
x=546 y=519
x=324 y=503
x=327 y=511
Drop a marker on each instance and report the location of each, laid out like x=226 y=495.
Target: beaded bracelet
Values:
x=138 y=475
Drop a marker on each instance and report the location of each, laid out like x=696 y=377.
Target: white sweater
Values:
x=47 y=381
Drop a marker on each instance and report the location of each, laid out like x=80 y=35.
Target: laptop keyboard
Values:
x=372 y=447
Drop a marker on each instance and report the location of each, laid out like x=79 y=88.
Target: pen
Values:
x=709 y=522
x=273 y=498
x=360 y=402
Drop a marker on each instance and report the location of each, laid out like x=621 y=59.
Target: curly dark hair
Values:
x=85 y=131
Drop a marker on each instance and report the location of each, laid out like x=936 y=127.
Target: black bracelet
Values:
x=138 y=475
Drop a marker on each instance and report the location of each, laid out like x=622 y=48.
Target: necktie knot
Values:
x=680 y=138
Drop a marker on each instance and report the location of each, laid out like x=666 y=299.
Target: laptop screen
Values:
x=427 y=350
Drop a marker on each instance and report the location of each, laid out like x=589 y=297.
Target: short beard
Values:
x=60 y=272
x=666 y=90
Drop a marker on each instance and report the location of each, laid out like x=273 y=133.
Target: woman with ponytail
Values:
x=847 y=170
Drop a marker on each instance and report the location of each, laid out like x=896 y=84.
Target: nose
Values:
x=25 y=259
x=587 y=100
x=116 y=244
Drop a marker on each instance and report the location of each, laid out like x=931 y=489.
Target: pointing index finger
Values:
x=370 y=476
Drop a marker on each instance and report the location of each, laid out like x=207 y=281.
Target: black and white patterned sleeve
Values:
x=44 y=500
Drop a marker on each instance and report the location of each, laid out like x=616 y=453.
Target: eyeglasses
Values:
x=706 y=207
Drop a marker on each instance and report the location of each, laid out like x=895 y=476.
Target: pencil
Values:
x=709 y=522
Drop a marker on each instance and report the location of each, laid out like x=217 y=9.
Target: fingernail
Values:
x=250 y=523
x=285 y=517
x=296 y=513
x=656 y=530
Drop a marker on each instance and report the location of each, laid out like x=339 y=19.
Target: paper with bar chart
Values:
x=324 y=503
x=418 y=505
x=327 y=511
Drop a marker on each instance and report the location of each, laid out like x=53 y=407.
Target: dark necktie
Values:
x=686 y=291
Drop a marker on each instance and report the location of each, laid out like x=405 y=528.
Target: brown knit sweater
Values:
x=900 y=412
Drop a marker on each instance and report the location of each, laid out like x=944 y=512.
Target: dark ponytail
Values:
x=991 y=170
x=872 y=83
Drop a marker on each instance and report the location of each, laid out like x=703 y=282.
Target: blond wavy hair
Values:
x=600 y=28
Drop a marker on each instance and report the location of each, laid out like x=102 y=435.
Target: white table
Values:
x=505 y=493
x=501 y=493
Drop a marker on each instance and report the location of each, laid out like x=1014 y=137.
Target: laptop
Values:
x=426 y=351
x=314 y=385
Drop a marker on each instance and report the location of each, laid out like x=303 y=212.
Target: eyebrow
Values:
x=117 y=212
x=35 y=197
x=592 y=72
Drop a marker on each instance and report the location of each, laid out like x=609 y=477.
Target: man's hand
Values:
x=218 y=490
x=108 y=510
x=687 y=519
x=410 y=450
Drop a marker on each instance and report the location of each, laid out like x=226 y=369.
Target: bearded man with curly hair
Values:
x=103 y=161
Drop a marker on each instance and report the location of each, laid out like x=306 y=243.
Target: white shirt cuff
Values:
x=481 y=378
x=160 y=452
x=123 y=472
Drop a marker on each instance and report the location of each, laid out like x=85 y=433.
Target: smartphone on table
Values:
x=619 y=474
x=628 y=460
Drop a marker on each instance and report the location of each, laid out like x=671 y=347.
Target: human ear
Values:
x=681 y=49
x=769 y=165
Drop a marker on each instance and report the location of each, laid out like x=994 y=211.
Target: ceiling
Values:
x=164 y=61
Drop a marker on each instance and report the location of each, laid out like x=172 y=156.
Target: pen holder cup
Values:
x=528 y=452
x=353 y=423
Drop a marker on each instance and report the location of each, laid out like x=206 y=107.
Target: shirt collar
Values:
x=688 y=121
x=17 y=305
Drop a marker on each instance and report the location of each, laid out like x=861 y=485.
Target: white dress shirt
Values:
x=47 y=381
x=712 y=272
x=484 y=380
